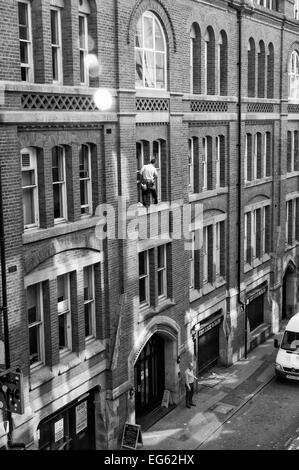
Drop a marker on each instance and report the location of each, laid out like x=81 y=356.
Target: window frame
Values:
x=67 y=313
x=293 y=76
x=29 y=67
x=63 y=184
x=40 y=326
x=145 y=276
x=191 y=164
x=217 y=162
x=296 y=10
x=83 y=50
x=158 y=166
x=57 y=47
x=154 y=51
x=205 y=164
x=88 y=181
x=33 y=159
x=90 y=302
x=162 y=269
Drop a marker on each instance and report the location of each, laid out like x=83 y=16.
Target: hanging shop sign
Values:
x=58 y=430
x=211 y=325
x=81 y=417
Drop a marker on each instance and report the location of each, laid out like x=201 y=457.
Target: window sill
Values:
x=256 y=262
x=257 y=182
x=194 y=294
x=43 y=374
x=147 y=311
x=207 y=193
x=204 y=97
x=38 y=234
x=292 y=174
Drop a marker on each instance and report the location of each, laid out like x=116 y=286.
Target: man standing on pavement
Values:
x=189 y=384
x=149 y=177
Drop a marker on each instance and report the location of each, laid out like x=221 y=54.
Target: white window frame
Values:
x=162 y=269
x=33 y=167
x=91 y=302
x=87 y=180
x=205 y=164
x=205 y=270
x=145 y=276
x=192 y=37
x=83 y=50
x=217 y=158
x=191 y=165
x=254 y=160
x=206 y=42
x=247 y=214
x=192 y=262
x=216 y=247
x=64 y=308
x=246 y=158
x=253 y=234
x=28 y=66
x=153 y=50
x=296 y=10
x=293 y=76
x=293 y=216
x=158 y=164
x=58 y=46
x=39 y=324
x=62 y=183
x=218 y=83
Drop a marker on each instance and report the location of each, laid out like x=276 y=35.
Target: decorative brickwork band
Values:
x=208 y=106
x=260 y=108
x=152 y=104
x=49 y=102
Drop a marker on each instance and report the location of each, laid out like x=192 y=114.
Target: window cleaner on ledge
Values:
x=149 y=178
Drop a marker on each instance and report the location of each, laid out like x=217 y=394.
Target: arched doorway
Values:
x=289 y=293
x=149 y=376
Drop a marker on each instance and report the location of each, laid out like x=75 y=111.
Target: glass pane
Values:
x=148 y=32
x=54 y=27
x=87 y=315
x=57 y=164
x=149 y=69
x=161 y=260
x=28 y=178
x=84 y=162
x=159 y=46
x=24 y=74
x=82 y=67
x=156 y=153
x=84 y=192
x=32 y=304
x=61 y=288
x=34 y=344
x=138 y=69
x=24 y=52
x=24 y=33
x=55 y=63
x=142 y=290
x=160 y=70
x=142 y=263
x=82 y=32
x=58 y=202
x=138 y=34
x=290 y=341
x=23 y=13
x=28 y=207
x=62 y=331
x=88 y=287
x=160 y=283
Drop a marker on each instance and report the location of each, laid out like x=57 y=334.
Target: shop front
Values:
x=207 y=343
x=255 y=307
x=71 y=428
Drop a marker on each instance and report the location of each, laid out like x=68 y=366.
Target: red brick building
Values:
x=101 y=327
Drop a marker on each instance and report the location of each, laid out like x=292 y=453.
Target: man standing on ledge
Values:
x=149 y=178
x=189 y=384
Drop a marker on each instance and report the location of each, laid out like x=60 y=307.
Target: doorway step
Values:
x=155 y=415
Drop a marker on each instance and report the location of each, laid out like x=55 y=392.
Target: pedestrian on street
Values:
x=149 y=176
x=189 y=384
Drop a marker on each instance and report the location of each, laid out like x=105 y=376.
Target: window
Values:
x=157 y=156
x=30 y=188
x=267 y=155
x=209 y=61
x=56 y=44
x=85 y=179
x=35 y=324
x=191 y=262
x=296 y=10
x=191 y=165
x=161 y=268
x=89 y=302
x=292 y=221
x=261 y=71
x=251 y=69
x=195 y=59
x=256 y=233
x=150 y=53
x=257 y=161
x=270 y=72
x=25 y=36
x=64 y=313
x=248 y=158
x=144 y=277
x=59 y=184
x=205 y=164
x=292 y=151
x=205 y=250
x=218 y=157
x=83 y=48
x=222 y=65
x=294 y=75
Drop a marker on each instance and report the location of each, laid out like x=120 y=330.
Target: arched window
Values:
x=150 y=53
x=30 y=187
x=294 y=75
x=195 y=55
x=251 y=68
x=270 y=71
x=209 y=64
x=222 y=65
x=261 y=71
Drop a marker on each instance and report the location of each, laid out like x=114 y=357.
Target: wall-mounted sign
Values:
x=211 y=325
x=58 y=430
x=81 y=417
x=256 y=294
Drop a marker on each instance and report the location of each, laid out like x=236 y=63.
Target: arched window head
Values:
x=150 y=53
x=209 y=61
x=251 y=68
x=84 y=7
x=294 y=75
x=195 y=59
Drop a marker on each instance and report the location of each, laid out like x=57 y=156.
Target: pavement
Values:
x=222 y=392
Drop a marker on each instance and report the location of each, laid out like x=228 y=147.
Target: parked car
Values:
x=287 y=359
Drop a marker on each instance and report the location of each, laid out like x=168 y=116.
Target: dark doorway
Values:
x=208 y=348
x=289 y=286
x=284 y=298
x=150 y=376
x=256 y=312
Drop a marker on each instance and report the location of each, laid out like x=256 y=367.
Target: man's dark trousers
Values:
x=189 y=394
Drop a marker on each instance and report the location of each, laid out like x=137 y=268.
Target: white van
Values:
x=287 y=359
